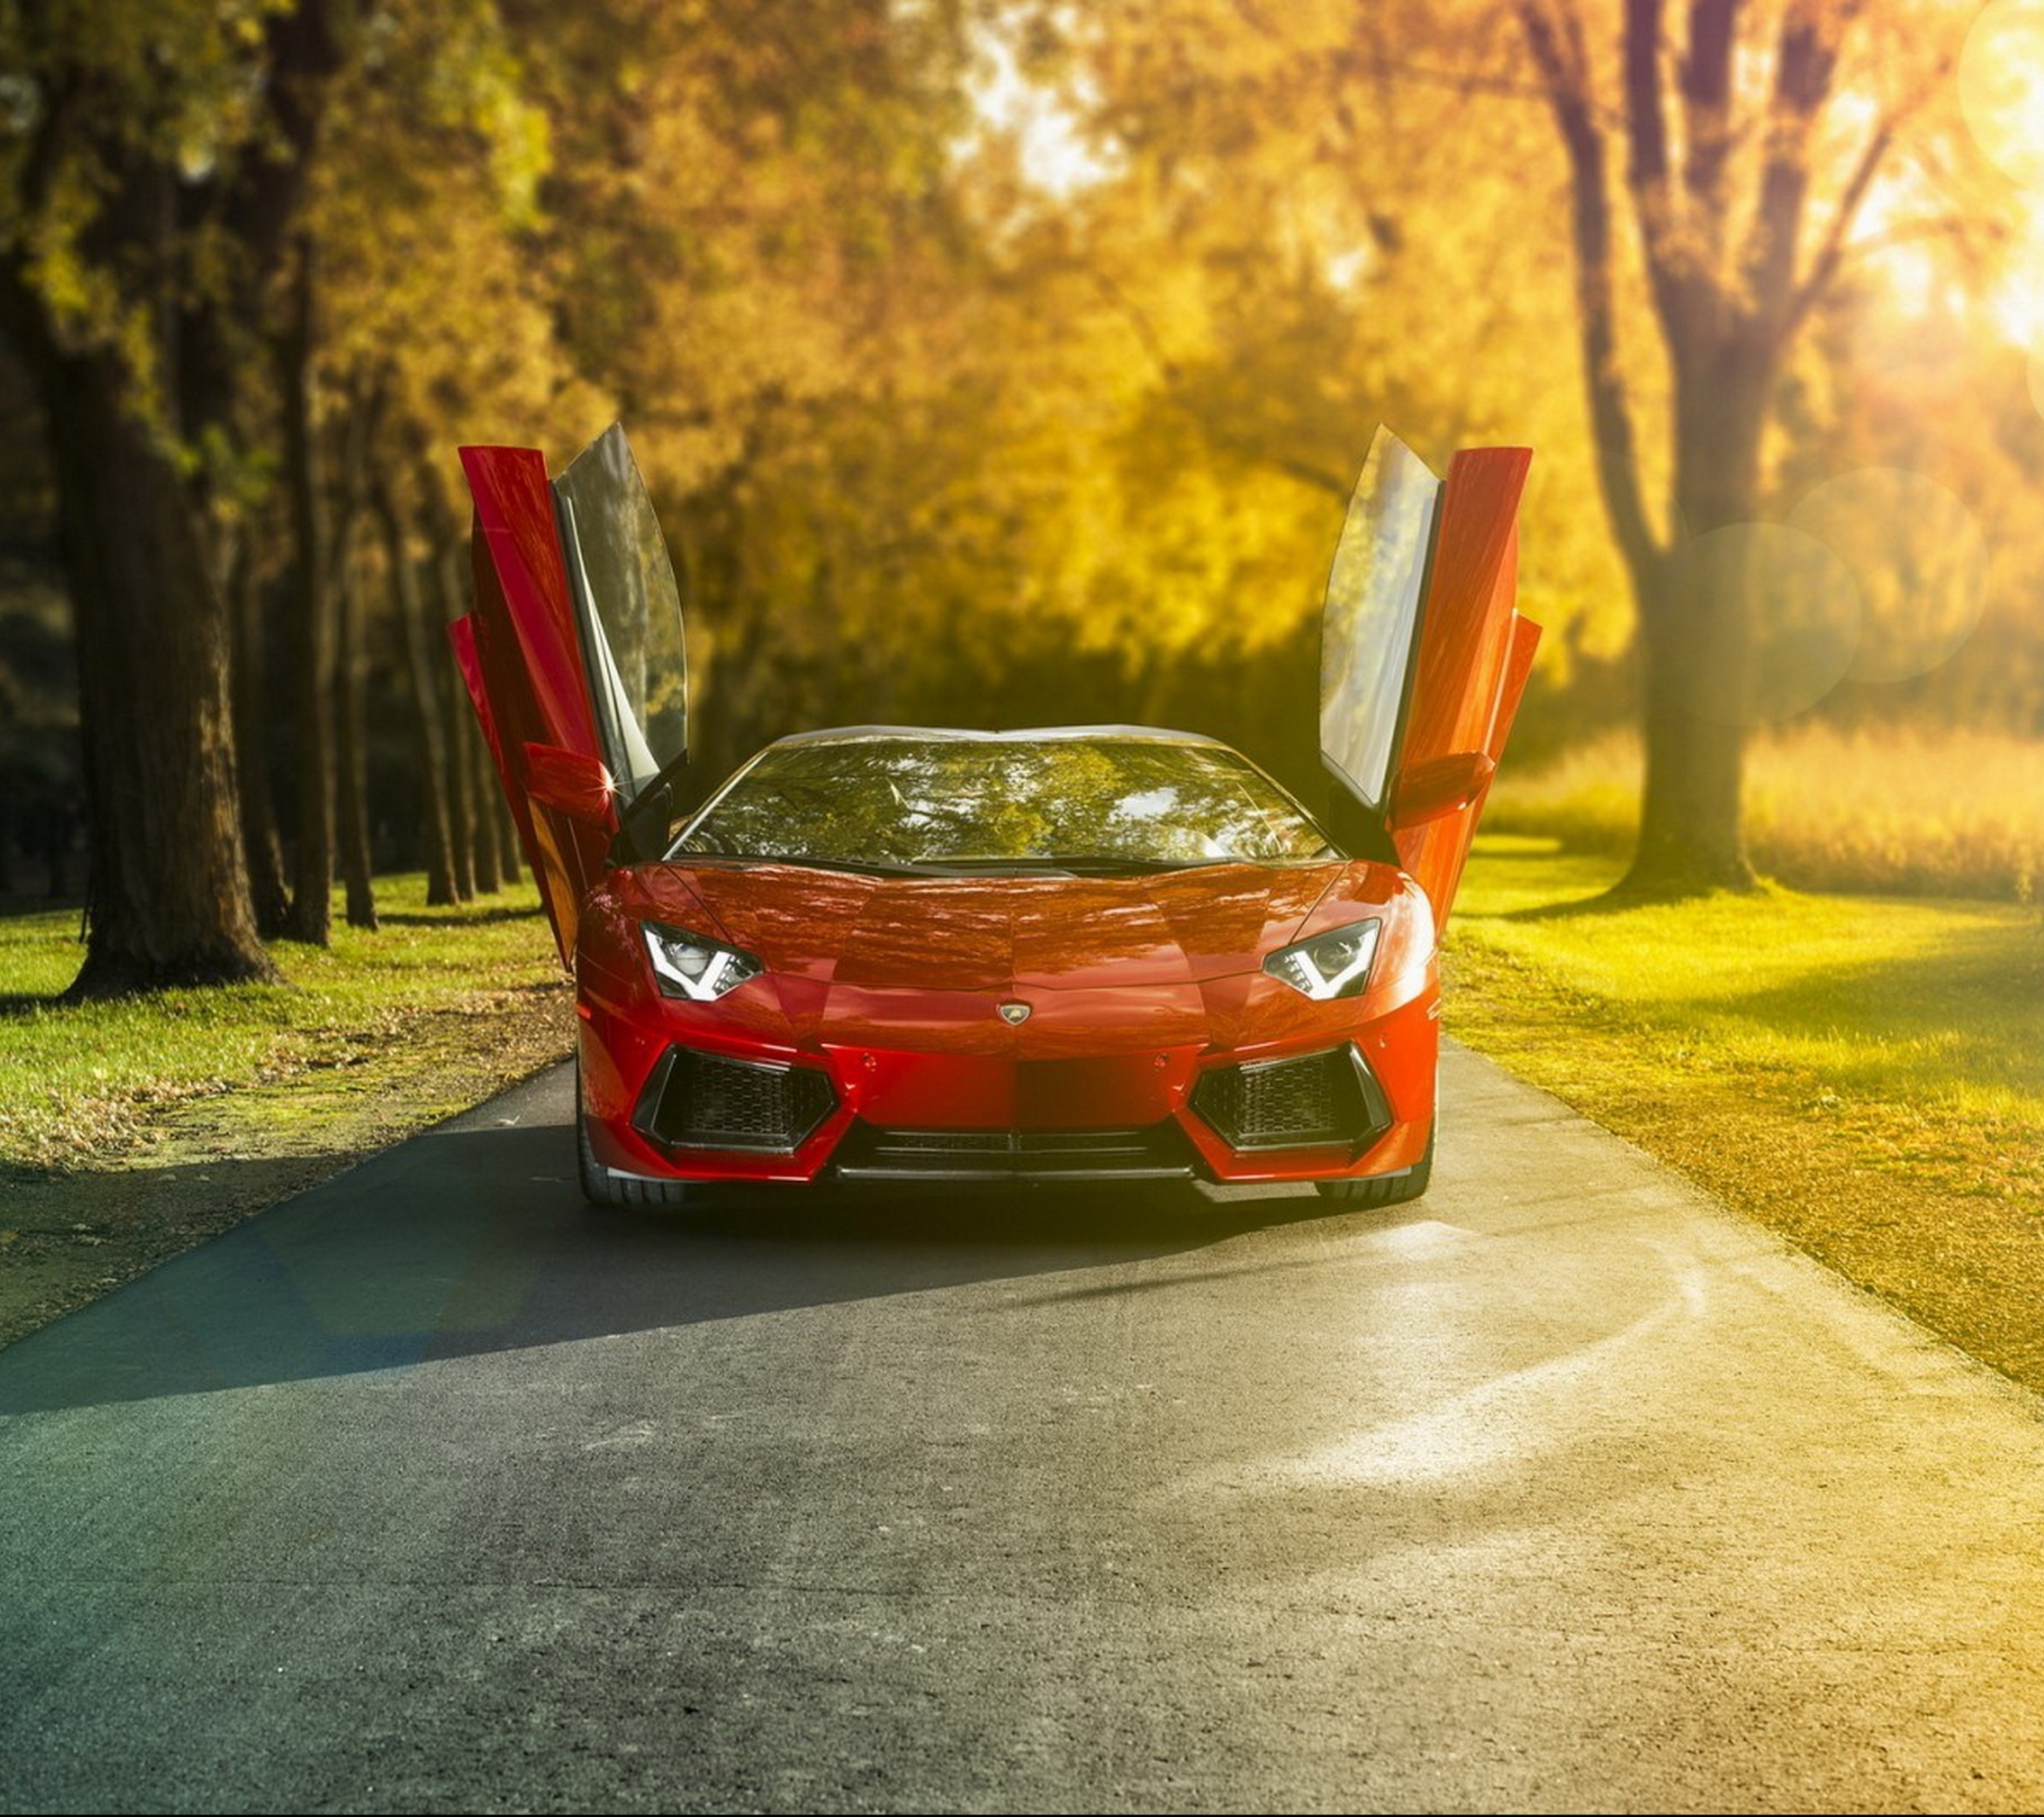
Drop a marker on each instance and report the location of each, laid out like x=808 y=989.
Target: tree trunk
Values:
x=1690 y=833
x=167 y=894
x=460 y=767
x=311 y=910
x=1697 y=629
x=442 y=885
x=351 y=756
x=351 y=765
x=1729 y=289
x=169 y=890
x=268 y=889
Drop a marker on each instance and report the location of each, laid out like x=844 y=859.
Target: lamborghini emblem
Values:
x=1015 y=1013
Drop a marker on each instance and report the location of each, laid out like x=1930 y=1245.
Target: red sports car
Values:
x=894 y=953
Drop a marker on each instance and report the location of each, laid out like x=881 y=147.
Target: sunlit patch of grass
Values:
x=1953 y=813
x=1862 y=1074
x=87 y=1085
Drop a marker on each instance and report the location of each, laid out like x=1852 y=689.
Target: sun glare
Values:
x=1055 y=157
x=2002 y=95
x=2001 y=87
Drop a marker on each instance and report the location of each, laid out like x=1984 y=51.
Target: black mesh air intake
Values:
x=1159 y=1152
x=703 y=1101
x=1319 y=1101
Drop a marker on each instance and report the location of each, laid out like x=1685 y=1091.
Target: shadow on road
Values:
x=469 y=1240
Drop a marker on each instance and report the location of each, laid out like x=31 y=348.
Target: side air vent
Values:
x=1321 y=1101
x=704 y=1101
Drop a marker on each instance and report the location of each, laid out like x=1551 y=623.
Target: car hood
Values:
x=985 y=933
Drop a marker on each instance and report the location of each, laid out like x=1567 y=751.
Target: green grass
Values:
x=92 y=1084
x=1862 y=1074
x=1952 y=813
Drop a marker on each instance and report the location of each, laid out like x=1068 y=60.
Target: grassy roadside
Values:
x=1885 y=811
x=1862 y=1076
x=131 y=1131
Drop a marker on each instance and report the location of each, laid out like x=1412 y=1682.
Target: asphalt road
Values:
x=1562 y=1488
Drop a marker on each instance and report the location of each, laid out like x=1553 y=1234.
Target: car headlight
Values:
x=1331 y=965
x=691 y=965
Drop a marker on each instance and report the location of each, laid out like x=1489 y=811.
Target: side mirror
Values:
x=643 y=827
x=571 y=783
x=1440 y=787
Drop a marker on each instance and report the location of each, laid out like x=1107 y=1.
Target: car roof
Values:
x=1031 y=735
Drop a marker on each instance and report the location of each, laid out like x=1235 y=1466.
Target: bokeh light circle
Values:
x=1803 y=617
x=2001 y=87
x=1917 y=557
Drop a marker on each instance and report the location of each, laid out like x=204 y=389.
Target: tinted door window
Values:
x=629 y=608
x=1369 y=623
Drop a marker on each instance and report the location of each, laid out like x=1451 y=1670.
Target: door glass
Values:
x=1372 y=611
x=629 y=608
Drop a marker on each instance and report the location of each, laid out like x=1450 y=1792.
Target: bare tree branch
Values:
x=1559 y=55
x=1831 y=248
x=1645 y=122
x=1806 y=57
x=1681 y=290
x=1831 y=245
x=1706 y=88
x=1909 y=233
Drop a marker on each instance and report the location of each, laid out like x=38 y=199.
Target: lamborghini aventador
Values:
x=1082 y=953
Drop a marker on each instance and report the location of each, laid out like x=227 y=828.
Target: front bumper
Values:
x=1323 y=1103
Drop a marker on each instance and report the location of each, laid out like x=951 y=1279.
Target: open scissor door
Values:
x=521 y=655
x=1422 y=657
x=573 y=656
x=628 y=611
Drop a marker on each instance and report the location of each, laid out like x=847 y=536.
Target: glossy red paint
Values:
x=1440 y=787
x=516 y=527
x=468 y=661
x=1467 y=638
x=935 y=1054
x=1525 y=636
x=527 y=666
x=579 y=787
x=892 y=988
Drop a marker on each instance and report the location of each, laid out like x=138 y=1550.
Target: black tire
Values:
x=1387 y=1188
x=608 y=1190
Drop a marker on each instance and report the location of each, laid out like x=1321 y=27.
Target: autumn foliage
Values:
x=992 y=364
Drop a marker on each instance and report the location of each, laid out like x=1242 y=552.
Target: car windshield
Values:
x=962 y=803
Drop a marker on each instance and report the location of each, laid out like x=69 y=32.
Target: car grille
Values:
x=1157 y=1153
x=1317 y=1102
x=703 y=1101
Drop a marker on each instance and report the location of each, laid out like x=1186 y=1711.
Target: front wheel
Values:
x=1391 y=1189
x=609 y=1190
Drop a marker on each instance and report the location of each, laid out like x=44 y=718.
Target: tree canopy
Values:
x=998 y=362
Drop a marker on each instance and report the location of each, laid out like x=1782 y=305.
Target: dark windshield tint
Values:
x=943 y=800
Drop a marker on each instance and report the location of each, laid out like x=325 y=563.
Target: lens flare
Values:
x=1917 y=557
x=1802 y=612
x=2001 y=87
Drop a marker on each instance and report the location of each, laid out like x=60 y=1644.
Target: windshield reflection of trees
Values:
x=903 y=801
